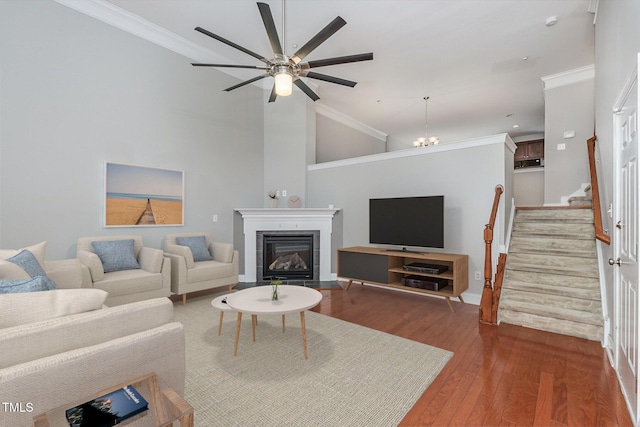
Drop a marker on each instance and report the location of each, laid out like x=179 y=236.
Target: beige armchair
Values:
x=125 y=268
x=214 y=264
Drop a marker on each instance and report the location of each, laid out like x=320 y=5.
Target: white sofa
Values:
x=60 y=346
x=151 y=280
x=188 y=275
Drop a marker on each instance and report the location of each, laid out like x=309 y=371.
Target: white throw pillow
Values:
x=38 y=250
x=21 y=308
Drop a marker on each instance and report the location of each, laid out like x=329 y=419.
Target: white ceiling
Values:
x=466 y=55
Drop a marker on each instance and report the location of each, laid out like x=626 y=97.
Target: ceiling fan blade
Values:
x=330 y=79
x=318 y=39
x=246 y=82
x=270 y=26
x=274 y=95
x=232 y=44
x=341 y=60
x=253 y=67
x=306 y=89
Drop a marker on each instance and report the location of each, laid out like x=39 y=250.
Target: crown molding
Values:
x=133 y=24
x=339 y=117
x=568 y=77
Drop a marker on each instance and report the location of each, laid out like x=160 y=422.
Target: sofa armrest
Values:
x=150 y=259
x=183 y=251
x=68 y=273
x=92 y=261
x=222 y=252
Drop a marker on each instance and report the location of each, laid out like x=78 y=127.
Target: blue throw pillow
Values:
x=198 y=246
x=28 y=262
x=116 y=255
x=38 y=283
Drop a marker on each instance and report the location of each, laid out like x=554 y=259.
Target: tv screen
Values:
x=407 y=221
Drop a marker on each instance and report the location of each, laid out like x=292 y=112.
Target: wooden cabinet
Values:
x=529 y=153
x=387 y=268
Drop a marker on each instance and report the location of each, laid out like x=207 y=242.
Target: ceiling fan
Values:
x=287 y=70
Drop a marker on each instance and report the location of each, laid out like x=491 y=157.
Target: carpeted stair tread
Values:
x=560 y=215
x=584 y=307
x=558 y=326
x=553 y=289
x=551 y=280
x=554 y=229
x=570 y=247
x=557 y=264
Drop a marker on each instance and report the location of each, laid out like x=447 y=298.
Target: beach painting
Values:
x=143 y=196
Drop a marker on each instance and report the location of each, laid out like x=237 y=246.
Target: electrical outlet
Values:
x=562 y=146
x=215 y=218
x=478 y=275
x=284 y=193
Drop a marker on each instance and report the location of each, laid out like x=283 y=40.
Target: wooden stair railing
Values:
x=491 y=295
x=595 y=192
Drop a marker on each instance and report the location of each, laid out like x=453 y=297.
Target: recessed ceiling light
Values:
x=551 y=21
x=516 y=126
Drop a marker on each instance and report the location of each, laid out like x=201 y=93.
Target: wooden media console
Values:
x=386 y=267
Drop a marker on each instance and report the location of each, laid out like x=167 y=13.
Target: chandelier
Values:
x=426 y=140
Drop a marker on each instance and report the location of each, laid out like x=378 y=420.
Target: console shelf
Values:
x=386 y=268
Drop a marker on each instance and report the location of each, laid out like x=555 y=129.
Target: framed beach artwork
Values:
x=138 y=196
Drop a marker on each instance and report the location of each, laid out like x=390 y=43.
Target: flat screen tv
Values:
x=407 y=221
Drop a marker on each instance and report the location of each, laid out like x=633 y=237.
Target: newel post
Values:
x=487 y=292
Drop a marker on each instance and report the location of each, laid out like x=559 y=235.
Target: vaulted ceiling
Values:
x=479 y=61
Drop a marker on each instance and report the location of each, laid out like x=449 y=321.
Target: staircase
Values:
x=551 y=276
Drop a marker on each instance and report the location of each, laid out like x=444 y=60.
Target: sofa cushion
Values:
x=116 y=255
x=35 y=284
x=127 y=282
x=198 y=247
x=38 y=250
x=22 y=308
x=209 y=270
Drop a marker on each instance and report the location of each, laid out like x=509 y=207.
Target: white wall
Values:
x=466 y=173
x=617 y=46
x=528 y=186
x=567 y=108
x=77 y=92
x=337 y=141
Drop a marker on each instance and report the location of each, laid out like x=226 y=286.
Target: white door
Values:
x=625 y=241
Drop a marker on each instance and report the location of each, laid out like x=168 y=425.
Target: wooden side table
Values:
x=165 y=406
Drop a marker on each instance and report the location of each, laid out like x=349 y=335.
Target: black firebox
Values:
x=287 y=256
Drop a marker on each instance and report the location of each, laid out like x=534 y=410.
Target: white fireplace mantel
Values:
x=265 y=219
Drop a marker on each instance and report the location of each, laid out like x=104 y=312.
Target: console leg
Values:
x=460 y=298
x=348 y=285
x=450 y=306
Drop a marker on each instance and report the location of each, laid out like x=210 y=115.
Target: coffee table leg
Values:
x=283 y=323
x=235 y=349
x=254 y=322
x=220 y=326
x=304 y=333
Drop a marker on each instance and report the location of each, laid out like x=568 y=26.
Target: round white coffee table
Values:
x=257 y=300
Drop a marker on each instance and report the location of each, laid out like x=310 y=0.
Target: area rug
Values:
x=354 y=376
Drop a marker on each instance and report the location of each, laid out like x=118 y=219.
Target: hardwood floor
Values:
x=499 y=375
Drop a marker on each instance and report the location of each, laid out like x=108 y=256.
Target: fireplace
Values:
x=287 y=256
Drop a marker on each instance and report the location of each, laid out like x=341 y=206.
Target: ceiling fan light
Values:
x=284 y=84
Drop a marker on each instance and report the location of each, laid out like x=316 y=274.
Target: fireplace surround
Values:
x=298 y=220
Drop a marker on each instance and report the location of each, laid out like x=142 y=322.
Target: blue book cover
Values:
x=108 y=410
